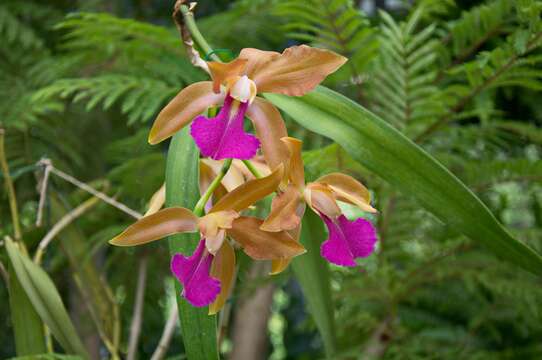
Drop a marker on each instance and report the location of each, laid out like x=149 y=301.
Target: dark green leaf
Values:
x=27 y=325
x=312 y=272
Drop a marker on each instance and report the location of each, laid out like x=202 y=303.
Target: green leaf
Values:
x=407 y=167
x=27 y=325
x=312 y=272
x=198 y=329
x=46 y=300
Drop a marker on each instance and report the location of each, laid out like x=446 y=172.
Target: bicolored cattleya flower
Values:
x=234 y=86
x=347 y=239
x=207 y=274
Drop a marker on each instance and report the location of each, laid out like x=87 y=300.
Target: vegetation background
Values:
x=81 y=82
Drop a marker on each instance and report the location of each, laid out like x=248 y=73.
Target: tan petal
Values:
x=156 y=226
x=223 y=269
x=257 y=59
x=222 y=71
x=250 y=192
x=287 y=209
x=298 y=70
x=349 y=190
x=270 y=128
x=263 y=245
x=234 y=177
x=278 y=266
x=157 y=200
x=190 y=102
x=294 y=169
x=321 y=199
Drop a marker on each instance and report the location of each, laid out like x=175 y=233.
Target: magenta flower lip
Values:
x=347 y=240
x=223 y=137
x=193 y=272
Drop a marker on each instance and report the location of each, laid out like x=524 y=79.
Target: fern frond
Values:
x=402 y=85
x=140 y=98
x=15 y=31
x=476 y=26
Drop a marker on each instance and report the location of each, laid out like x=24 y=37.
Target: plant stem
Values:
x=10 y=189
x=198 y=38
x=250 y=166
x=199 y=209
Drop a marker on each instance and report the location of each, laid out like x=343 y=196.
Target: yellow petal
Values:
x=263 y=245
x=156 y=226
x=258 y=162
x=294 y=169
x=278 y=266
x=220 y=72
x=190 y=102
x=214 y=243
x=223 y=269
x=212 y=222
x=349 y=190
x=157 y=200
x=294 y=72
x=234 y=177
x=321 y=199
x=270 y=128
x=250 y=192
x=287 y=210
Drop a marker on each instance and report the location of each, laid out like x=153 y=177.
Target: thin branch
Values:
x=43 y=191
x=137 y=318
x=91 y=190
x=10 y=189
x=4 y=273
x=167 y=334
x=61 y=224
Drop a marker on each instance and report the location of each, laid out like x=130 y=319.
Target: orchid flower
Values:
x=347 y=239
x=234 y=86
x=207 y=275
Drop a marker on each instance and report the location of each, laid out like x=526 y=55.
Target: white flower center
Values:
x=243 y=89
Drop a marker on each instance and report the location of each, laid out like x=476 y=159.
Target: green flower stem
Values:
x=197 y=37
x=250 y=166
x=199 y=209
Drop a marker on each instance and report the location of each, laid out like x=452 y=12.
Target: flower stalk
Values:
x=199 y=209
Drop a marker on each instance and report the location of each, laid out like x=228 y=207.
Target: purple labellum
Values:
x=347 y=240
x=223 y=137
x=200 y=289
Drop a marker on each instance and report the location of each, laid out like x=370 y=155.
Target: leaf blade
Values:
x=197 y=327
x=46 y=300
x=392 y=156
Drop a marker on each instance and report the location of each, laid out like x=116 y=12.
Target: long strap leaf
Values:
x=312 y=272
x=198 y=328
x=46 y=300
x=27 y=325
x=406 y=166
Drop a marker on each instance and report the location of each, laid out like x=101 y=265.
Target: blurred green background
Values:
x=81 y=82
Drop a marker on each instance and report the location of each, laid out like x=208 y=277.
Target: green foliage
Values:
x=461 y=80
x=403 y=83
